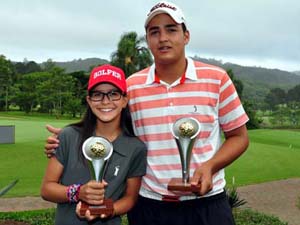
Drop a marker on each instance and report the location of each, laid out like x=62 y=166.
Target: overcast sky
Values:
x=263 y=33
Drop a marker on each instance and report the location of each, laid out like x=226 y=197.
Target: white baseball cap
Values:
x=169 y=8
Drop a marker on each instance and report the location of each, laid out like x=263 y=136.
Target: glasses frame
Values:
x=109 y=95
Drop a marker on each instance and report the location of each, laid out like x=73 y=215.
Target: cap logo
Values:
x=107 y=72
x=162 y=5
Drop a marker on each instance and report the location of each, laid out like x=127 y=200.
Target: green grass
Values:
x=272 y=155
x=25 y=159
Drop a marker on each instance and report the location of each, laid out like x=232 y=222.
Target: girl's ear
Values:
x=87 y=98
x=125 y=101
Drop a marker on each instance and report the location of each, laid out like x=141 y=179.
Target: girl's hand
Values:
x=87 y=215
x=93 y=192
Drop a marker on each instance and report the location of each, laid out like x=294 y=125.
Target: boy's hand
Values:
x=52 y=141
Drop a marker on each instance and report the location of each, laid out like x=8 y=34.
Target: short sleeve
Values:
x=231 y=112
x=138 y=162
x=61 y=152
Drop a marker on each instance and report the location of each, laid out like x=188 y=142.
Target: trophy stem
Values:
x=185 y=147
x=96 y=169
x=185 y=177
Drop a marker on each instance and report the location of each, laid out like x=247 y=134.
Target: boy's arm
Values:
x=236 y=142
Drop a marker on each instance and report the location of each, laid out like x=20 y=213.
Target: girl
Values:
x=67 y=178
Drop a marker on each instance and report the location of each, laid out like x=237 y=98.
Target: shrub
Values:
x=46 y=217
x=233 y=198
x=250 y=217
x=37 y=217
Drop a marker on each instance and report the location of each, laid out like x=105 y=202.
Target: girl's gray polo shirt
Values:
x=128 y=160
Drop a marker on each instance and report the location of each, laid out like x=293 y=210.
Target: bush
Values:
x=250 y=217
x=46 y=217
x=37 y=217
x=234 y=198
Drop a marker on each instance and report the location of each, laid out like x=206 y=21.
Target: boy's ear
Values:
x=186 y=37
x=146 y=40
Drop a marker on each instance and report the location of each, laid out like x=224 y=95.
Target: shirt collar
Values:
x=190 y=73
x=118 y=142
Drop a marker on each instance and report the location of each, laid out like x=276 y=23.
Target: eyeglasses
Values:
x=113 y=95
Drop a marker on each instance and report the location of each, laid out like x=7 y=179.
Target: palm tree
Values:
x=131 y=56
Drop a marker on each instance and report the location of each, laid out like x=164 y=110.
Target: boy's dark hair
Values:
x=184 y=27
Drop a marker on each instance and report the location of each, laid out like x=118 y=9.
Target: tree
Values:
x=26 y=93
x=237 y=83
x=55 y=92
x=27 y=67
x=280 y=115
x=6 y=80
x=254 y=121
x=131 y=56
x=294 y=94
x=20 y=68
x=78 y=103
x=275 y=97
x=49 y=65
x=73 y=106
x=32 y=66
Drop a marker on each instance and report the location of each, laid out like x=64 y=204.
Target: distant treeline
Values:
x=56 y=88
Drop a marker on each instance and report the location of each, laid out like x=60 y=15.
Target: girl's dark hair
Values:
x=87 y=125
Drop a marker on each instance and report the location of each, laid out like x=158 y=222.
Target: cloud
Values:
x=265 y=33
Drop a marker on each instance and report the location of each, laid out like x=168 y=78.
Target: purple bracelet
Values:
x=73 y=193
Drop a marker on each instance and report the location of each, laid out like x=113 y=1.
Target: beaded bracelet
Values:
x=73 y=193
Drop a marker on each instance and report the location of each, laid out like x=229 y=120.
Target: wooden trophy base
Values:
x=176 y=184
x=106 y=208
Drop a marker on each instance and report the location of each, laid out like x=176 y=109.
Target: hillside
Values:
x=81 y=64
x=257 y=80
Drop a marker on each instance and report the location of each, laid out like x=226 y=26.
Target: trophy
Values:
x=97 y=151
x=185 y=131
